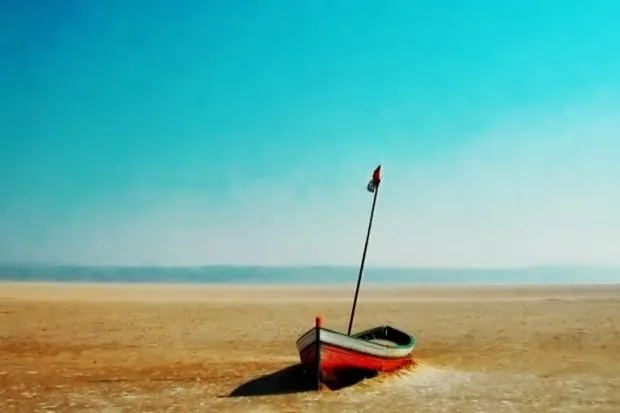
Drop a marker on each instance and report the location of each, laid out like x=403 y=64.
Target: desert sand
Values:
x=171 y=348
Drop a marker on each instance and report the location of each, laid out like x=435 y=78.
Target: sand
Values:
x=166 y=348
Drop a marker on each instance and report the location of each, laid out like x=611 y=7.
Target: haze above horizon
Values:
x=194 y=133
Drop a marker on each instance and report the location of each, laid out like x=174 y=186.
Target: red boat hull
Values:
x=336 y=362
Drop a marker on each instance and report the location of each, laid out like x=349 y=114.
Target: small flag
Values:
x=375 y=181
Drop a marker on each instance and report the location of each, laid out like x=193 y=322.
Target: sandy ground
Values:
x=124 y=348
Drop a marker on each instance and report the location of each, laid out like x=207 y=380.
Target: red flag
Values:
x=376 y=175
x=375 y=181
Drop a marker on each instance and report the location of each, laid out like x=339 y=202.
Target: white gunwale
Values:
x=353 y=343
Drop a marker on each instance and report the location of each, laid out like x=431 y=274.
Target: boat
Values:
x=334 y=357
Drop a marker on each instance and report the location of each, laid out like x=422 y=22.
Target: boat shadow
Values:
x=293 y=379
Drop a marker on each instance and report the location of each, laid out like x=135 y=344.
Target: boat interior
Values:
x=386 y=335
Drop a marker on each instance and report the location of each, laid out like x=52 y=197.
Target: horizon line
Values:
x=310 y=266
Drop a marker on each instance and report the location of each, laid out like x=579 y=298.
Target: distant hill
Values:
x=309 y=274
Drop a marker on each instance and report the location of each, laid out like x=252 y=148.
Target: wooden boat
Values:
x=333 y=356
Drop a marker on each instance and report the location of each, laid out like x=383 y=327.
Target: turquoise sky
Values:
x=203 y=132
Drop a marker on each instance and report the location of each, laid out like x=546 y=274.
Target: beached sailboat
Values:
x=332 y=355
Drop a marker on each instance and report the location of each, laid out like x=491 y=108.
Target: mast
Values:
x=373 y=186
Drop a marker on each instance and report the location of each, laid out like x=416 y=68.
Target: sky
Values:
x=245 y=132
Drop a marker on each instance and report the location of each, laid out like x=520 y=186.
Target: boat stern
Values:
x=309 y=348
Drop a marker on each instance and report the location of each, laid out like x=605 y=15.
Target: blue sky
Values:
x=192 y=132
